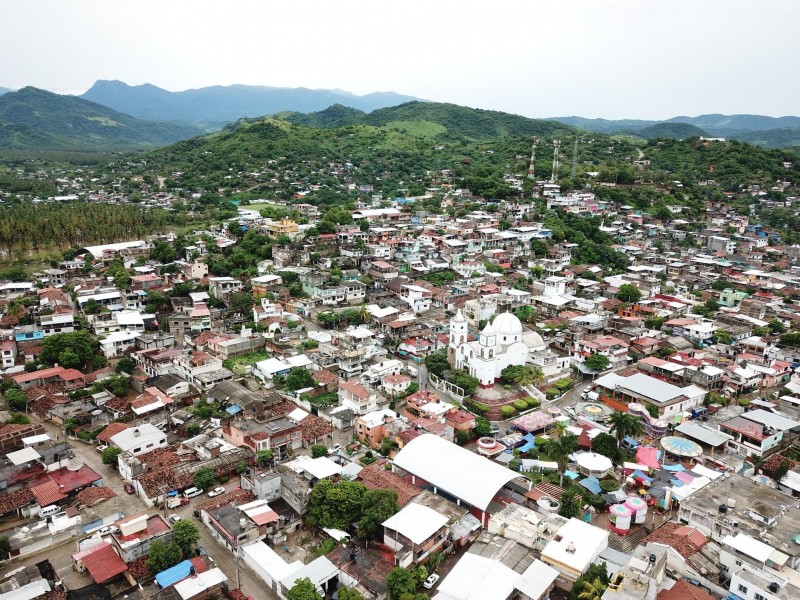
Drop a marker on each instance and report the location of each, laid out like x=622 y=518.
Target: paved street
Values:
x=60 y=557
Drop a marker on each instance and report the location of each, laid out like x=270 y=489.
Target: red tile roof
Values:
x=104 y=563
x=112 y=429
x=94 y=494
x=236 y=496
x=48 y=493
x=375 y=476
x=684 y=591
x=685 y=540
x=14 y=500
x=69 y=480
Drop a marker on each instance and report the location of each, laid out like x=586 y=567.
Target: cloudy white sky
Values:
x=539 y=58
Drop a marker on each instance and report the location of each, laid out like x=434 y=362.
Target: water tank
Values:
x=136 y=432
x=731 y=502
x=242 y=523
x=774 y=587
x=652 y=558
x=723 y=509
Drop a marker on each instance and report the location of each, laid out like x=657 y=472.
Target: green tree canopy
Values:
x=376 y=506
x=303 y=589
x=605 y=444
x=629 y=293
x=559 y=448
x=597 y=362
x=400 y=582
x=483 y=427
x=319 y=450
x=77 y=344
x=16 y=399
x=336 y=505
x=110 y=455
x=162 y=556
x=299 y=378
x=570 y=504
x=203 y=478
x=185 y=535
x=125 y=365
x=436 y=362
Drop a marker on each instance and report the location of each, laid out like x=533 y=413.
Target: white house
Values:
x=139 y=440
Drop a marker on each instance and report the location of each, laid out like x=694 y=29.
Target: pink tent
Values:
x=646 y=455
x=684 y=478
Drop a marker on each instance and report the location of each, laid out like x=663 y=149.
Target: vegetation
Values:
x=299 y=378
x=203 y=478
x=5 y=548
x=110 y=455
x=595 y=574
x=570 y=503
x=436 y=362
x=319 y=450
x=162 y=556
x=605 y=444
x=629 y=293
x=125 y=365
x=303 y=589
x=559 y=449
x=185 y=535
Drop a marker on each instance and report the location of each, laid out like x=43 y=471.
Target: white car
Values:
x=283 y=340
x=430 y=581
x=334 y=449
x=216 y=492
x=101 y=448
x=173 y=518
x=109 y=529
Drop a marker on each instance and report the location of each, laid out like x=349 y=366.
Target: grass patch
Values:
x=238 y=363
x=417 y=128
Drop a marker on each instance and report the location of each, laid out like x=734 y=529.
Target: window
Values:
x=738 y=563
x=742 y=588
x=135 y=450
x=759 y=596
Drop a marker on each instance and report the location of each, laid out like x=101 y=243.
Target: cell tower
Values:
x=531 y=174
x=574 y=159
x=556 y=146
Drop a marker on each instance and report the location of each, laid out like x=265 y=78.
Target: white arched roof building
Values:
x=470 y=478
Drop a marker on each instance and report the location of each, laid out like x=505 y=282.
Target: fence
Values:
x=451 y=390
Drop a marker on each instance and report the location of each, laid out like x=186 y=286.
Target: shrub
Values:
x=594 y=499
x=506 y=386
x=520 y=404
x=552 y=393
x=564 y=384
x=609 y=485
x=478 y=407
x=743 y=402
x=541 y=441
x=532 y=402
x=507 y=411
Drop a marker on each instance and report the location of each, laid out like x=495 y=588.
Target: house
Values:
x=759 y=432
x=137 y=533
x=281 y=435
x=358 y=398
x=619 y=391
x=415 y=532
x=370 y=428
x=574 y=548
x=224 y=287
x=139 y=440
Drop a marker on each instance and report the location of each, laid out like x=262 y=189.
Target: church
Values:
x=502 y=343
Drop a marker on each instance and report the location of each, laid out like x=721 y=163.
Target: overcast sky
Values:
x=539 y=58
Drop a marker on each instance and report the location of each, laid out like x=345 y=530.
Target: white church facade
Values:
x=502 y=343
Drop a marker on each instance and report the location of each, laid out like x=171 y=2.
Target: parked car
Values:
x=108 y=529
x=430 y=581
x=173 y=518
x=201 y=551
x=217 y=491
x=192 y=492
x=334 y=449
x=101 y=448
x=129 y=489
x=283 y=340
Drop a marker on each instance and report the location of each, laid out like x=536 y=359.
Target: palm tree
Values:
x=559 y=450
x=528 y=377
x=592 y=591
x=559 y=427
x=625 y=424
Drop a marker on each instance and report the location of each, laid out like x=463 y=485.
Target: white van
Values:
x=49 y=511
x=412 y=371
x=192 y=492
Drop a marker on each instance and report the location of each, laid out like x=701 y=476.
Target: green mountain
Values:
x=435 y=119
x=671 y=130
x=214 y=106
x=34 y=119
x=788 y=137
x=4 y=90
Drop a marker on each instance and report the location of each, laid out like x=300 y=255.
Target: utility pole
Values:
x=556 y=163
x=531 y=166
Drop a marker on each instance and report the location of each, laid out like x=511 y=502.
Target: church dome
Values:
x=507 y=324
x=532 y=339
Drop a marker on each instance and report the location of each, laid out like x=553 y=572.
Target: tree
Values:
x=629 y=293
x=483 y=427
x=464 y=380
x=264 y=457
x=570 y=504
x=78 y=342
x=125 y=365
x=721 y=336
x=436 y=362
x=776 y=327
x=346 y=593
x=376 y=506
x=597 y=362
x=319 y=450
x=5 y=548
x=70 y=425
x=241 y=302
x=303 y=589
x=162 y=556
x=18 y=419
x=781 y=471
x=299 y=378
x=186 y=535
x=605 y=444
x=592 y=590
x=110 y=455
x=16 y=399
x=559 y=449
x=400 y=582
x=69 y=359
x=335 y=505
x=203 y=478
x=625 y=424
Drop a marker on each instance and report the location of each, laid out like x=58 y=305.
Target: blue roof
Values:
x=174 y=574
x=637 y=474
x=233 y=409
x=630 y=441
x=591 y=484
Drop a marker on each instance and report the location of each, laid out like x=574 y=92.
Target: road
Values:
x=129 y=504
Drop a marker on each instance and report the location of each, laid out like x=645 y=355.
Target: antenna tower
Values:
x=574 y=159
x=531 y=174
x=556 y=146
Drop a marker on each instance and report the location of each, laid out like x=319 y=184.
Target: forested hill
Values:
x=34 y=119
x=437 y=119
x=671 y=130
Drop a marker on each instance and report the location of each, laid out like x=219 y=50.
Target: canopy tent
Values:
x=641 y=476
x=674 y=468
x=682 y=447
x=530 y=443
x=535 y=421
x=684 y=477
x=647 y=455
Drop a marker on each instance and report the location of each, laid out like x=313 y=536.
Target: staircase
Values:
x=535 y=392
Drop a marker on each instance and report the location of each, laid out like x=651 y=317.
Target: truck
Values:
x=174 y=499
